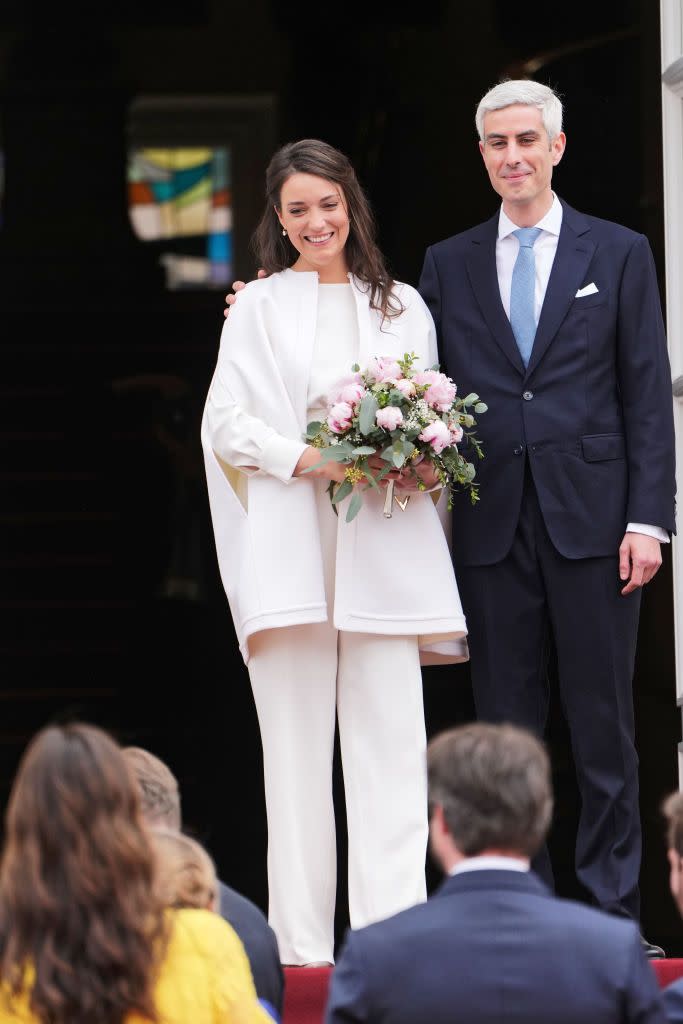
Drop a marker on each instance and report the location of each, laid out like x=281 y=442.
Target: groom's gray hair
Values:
x=528 y=93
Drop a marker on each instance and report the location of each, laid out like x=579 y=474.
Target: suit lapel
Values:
x=483 y=275
x=572 y=259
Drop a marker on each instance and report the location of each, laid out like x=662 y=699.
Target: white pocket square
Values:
x=590 y=289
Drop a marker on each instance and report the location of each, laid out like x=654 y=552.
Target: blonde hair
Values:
x=186 y=875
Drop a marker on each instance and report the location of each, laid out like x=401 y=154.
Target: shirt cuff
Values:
x=280 y=456
x=650 y=531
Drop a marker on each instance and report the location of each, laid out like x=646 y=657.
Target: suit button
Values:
x=518 y=450
x=527 y=396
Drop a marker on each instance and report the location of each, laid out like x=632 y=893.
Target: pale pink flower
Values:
x=382 y=368
x=438 y=435
x=336 y=393
x=389 y=418
x=440 y=393
x=352 y=394
x=405 y=386
x=455 y=431
x=426 y=377
x=339 y=417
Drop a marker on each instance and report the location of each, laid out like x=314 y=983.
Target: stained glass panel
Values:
x=182 y=196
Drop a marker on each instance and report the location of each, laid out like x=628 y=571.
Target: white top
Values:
x=336 y=343
x=545 y=247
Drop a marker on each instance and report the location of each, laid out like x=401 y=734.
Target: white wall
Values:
x=672 y=128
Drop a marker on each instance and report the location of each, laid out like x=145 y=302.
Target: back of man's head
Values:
x=493 y=785
x=159 y=793
x=673 y=812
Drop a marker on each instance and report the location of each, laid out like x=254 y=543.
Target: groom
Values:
x=553 y=317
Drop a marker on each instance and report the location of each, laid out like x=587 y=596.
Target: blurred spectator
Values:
x=161 y=806
x=493 y=943
x=673 y=811
x=186 y=875
x=83 y=934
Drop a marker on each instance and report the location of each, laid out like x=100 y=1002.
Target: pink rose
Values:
x=426 y=377
x=342 y=384
x=353 y=394
x=405 y=386
x=440 y=393
x=339 y=417
x=382 y=368
x=455 y=431
x=389 y=418
x=438 y=435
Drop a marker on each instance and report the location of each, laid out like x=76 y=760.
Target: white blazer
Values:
x=393 y=576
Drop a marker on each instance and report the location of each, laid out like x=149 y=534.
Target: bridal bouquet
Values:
x=403 y=415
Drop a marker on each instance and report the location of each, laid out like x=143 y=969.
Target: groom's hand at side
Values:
x=640 y=557
x=237 y=286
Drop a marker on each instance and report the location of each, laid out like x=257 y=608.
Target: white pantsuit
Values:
x=299 y=675
x=330 y=616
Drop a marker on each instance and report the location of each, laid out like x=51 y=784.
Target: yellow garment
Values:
x=205 y=978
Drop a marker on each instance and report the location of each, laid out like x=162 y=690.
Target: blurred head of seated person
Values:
x=673 y=812
x=186 y=875
x=159 y=792
x=490 y=795
x=84 y=935
x=161 y=807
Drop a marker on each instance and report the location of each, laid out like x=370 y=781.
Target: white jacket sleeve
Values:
x=238 y=437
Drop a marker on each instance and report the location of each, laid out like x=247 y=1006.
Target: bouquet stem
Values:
x=389 y=500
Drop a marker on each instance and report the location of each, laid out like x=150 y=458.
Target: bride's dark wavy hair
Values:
x=274 y=252
x=81 y=929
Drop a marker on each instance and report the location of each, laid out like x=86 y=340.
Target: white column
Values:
x=672 y=129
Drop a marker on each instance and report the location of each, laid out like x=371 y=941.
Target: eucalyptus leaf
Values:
x=472 y=397
x=364 y=449
x=313 y=428
x=343 y=491
x=354 y=506
x=398 y=459
x=371 y=479
x=481 y=407
x=336 y=453
x=366 y=414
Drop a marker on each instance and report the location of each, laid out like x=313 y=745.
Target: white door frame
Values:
x=672 y=131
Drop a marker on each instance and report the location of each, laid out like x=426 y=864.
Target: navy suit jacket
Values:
x=259 y=942
x=491 y=947
x=593 y=411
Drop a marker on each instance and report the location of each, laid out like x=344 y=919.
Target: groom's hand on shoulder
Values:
x=237 y=286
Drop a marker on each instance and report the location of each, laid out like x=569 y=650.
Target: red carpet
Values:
x=306 y=989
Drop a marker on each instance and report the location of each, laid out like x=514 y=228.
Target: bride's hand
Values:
x=422 y=472
x=408 y=478
x=311 y=457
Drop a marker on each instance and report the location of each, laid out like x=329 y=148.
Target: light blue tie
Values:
x=522 y=313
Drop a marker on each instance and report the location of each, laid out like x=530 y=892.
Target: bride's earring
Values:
x=284 y=231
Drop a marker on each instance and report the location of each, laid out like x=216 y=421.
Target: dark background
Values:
x=110 y=603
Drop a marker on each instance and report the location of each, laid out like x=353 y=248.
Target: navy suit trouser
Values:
x=511 y=608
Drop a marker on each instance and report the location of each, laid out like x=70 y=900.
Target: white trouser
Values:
x=299 y=675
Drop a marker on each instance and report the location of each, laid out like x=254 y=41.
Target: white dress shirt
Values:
x=490 y=862
x=507 y=248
